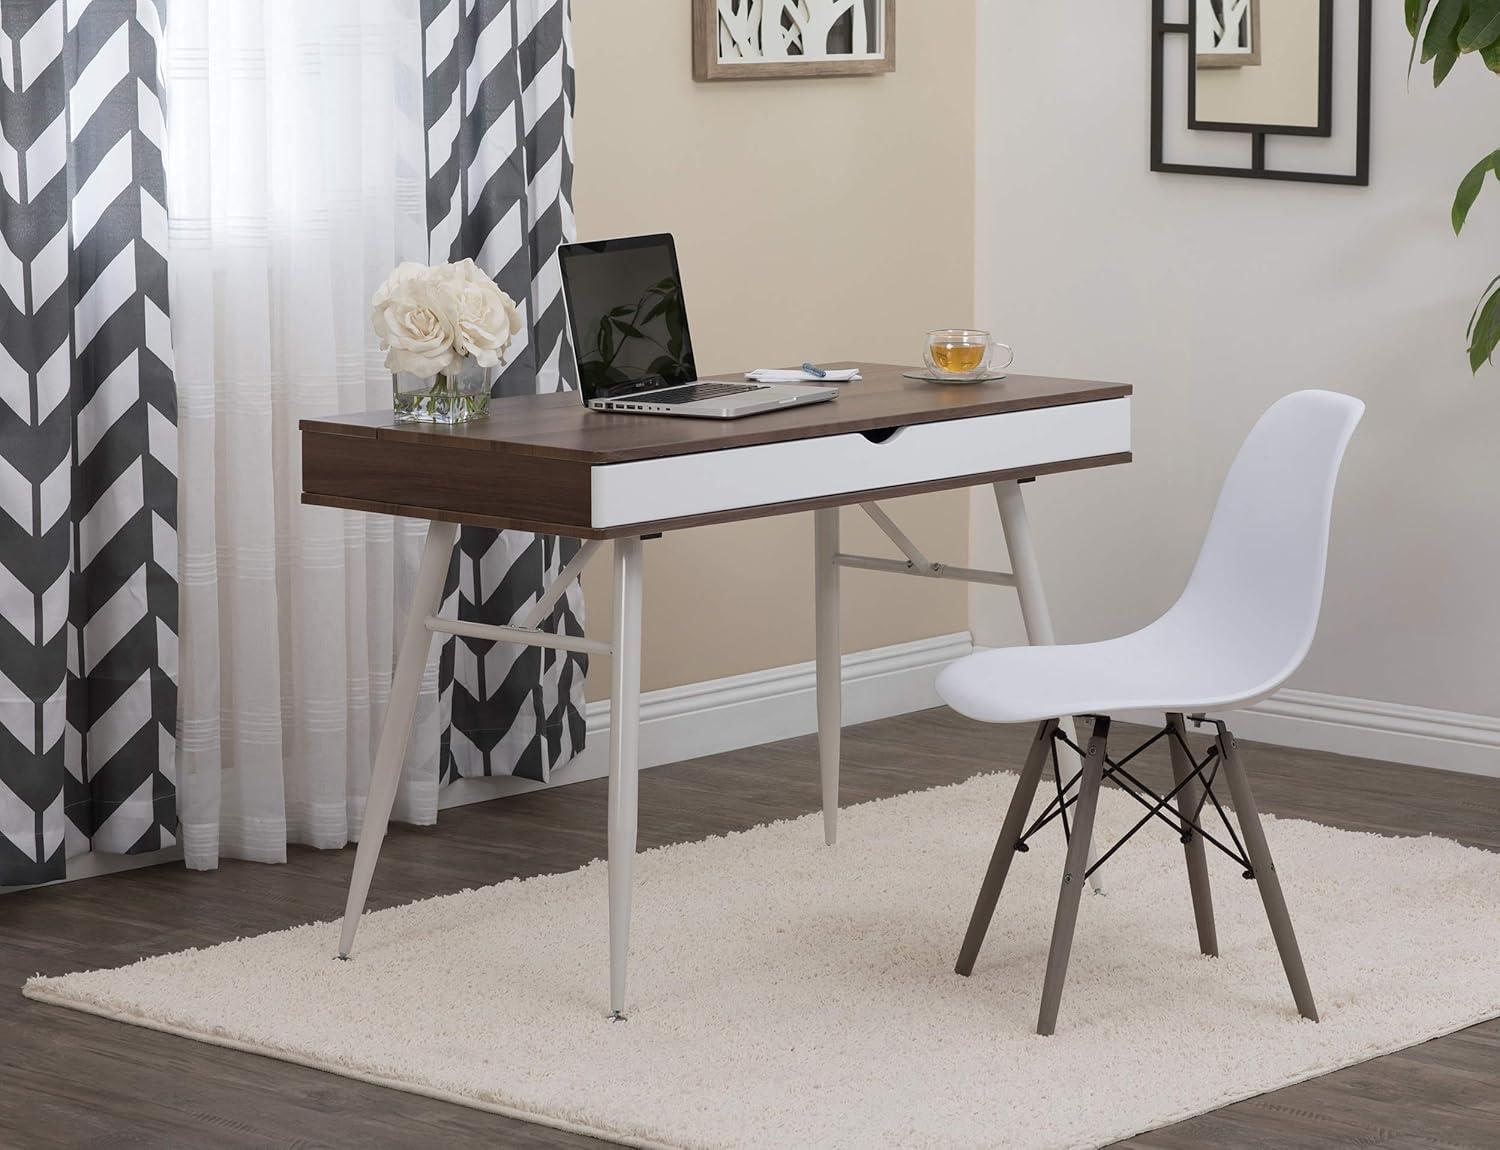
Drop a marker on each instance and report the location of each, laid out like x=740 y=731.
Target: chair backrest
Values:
x=1258 y=583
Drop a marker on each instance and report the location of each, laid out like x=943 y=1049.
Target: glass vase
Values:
x=448 y=397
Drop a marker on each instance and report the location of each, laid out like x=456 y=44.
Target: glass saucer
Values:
x=928 y=377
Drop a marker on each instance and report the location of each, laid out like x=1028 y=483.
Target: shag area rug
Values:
x=783 y=993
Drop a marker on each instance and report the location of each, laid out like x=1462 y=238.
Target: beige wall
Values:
x=822 y=219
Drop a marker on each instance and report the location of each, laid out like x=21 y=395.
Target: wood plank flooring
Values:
x=69 y=1080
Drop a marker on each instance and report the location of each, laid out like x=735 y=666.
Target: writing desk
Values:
x=545 y=463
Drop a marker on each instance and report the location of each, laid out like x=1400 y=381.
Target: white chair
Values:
x=1239 y=630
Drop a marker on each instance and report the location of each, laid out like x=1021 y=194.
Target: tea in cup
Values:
x=963 y=353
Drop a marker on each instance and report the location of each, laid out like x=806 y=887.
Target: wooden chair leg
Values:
x=1073 y=877
x=1189 y=799
x=1005 y=846
x=1265 y=874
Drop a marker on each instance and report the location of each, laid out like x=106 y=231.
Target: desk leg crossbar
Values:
x=422 y=622
x=1025 y=577
x=624 y=648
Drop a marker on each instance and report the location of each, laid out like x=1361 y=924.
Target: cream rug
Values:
x=787 y=994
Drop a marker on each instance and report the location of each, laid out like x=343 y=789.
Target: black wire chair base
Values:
x=1157 y=806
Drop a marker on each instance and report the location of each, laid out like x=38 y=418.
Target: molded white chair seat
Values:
x=1243 y=624
x=1247 y=617
x=1172 y=665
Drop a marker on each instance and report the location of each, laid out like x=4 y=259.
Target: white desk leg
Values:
x=406 y=684
x=829 y=672
x=1034 y=612
x=624 y=731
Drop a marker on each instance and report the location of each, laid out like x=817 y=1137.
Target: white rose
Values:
x=414 y=316
x=485 y=317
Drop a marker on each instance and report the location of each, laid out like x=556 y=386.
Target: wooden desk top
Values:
x=560 y=427
x=531 y=464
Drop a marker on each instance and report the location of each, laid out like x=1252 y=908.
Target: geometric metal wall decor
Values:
x=1259 y=72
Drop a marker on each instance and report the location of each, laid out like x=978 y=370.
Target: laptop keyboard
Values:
x=691 y=392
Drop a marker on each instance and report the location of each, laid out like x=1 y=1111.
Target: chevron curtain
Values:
x=88 y=492
x=498 y=109
x=312 y=146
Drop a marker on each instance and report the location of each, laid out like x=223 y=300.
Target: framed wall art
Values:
x=1228 y=33
x=792 y=39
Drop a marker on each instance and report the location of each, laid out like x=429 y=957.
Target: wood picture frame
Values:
x=708 y=63
x=1230 y=59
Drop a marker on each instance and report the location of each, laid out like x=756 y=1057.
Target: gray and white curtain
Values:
x=88 y=490
x=498 y=107
x=309 y=148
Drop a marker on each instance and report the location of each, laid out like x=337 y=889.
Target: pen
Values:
x=817 y=371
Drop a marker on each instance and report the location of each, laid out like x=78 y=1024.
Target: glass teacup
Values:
x=963 y=353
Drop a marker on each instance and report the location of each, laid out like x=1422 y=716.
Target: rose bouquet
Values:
x=448 y=326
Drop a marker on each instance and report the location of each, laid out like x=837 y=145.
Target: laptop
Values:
x=630 y=337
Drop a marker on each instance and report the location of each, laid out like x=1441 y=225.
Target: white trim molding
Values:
x=1363 y=728
x=698 y=719
x=717 y=715
x=1393 y=732
x=705 y=718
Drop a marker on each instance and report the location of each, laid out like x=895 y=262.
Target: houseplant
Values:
x=443 y=329
x=1442 y=31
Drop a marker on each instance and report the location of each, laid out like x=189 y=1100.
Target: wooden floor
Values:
x=67 y=1079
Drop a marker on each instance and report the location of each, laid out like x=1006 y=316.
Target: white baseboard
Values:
x=745 y=710
x=696 y=719
x=1363 y=728
x=706 y=718
x=1394 y=732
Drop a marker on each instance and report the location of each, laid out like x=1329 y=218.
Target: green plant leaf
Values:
x=1443 y=65
x=1482 y=27
x=1469 y=331
x=1484 y=329
x=1470 y=186
x=1416 y=13
x=1442 y=29
x=1491 y=56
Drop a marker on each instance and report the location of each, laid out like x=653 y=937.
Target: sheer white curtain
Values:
x=295 y=183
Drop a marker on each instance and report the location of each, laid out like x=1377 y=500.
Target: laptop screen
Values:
x=629 y=326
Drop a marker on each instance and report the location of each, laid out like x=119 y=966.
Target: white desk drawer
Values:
x=705 y=482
